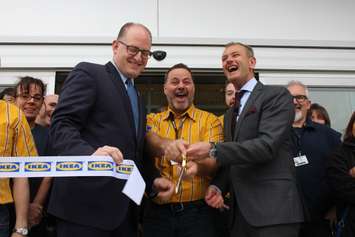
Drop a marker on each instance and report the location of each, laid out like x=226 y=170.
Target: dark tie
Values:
x=238 y=97
x=131 y=91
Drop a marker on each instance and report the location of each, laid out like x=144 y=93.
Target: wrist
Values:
x=213 y=151
x=22 y=231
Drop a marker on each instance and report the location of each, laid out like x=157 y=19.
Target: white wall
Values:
x=271 y=22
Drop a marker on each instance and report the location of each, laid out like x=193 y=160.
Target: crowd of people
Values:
x=270 y=166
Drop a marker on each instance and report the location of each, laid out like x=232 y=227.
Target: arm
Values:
x=274 y=123
x=21 y=196
x=36 y=207
x=76 y=100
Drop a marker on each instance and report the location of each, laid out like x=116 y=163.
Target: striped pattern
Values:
x=198 y=126
x=15 y=140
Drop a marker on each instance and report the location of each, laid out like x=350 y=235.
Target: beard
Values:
x=298 y=116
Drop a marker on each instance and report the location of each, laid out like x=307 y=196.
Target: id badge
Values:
x=300 y=160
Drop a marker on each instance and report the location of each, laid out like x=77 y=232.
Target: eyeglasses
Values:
x=133 y=51
x=28 y=97
x=300 y=98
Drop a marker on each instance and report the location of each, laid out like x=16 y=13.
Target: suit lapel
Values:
x=251 y=100
x=228 y=120
x=121 y=90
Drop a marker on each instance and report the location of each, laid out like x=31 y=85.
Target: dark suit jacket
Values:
x=94 y=110
x=257 y=165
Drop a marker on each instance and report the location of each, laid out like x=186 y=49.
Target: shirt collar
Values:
x=190 y=112
x=249 y=86
x=123 y=77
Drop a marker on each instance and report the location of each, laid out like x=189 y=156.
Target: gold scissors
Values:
x=183 y=169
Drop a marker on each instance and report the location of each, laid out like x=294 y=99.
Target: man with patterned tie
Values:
x=100 y=113
x=255 y=160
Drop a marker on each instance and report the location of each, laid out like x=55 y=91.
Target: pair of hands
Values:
x=195 y=152
x=215 y=199
x=175 y=149
x=35 y=214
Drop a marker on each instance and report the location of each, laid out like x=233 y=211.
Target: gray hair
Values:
x=298 y=83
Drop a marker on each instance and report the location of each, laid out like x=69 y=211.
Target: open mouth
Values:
x=232 y=68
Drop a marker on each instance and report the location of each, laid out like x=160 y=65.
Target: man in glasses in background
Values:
x=100 y=113
x=312 y=144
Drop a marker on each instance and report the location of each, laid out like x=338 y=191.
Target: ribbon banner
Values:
x=75 y=166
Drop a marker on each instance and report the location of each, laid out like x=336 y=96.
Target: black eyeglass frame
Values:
x=300 y=98
x=133 y=50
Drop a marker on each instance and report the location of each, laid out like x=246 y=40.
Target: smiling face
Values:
x=30 y=102
x=179 y=89
x=238 y=64
x=131 y=65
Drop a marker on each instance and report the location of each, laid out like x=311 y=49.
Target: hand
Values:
x=214 y=198
x=175 y=149
x=191 y=169
x=165 y=188
x=35 y=214
x=198 y=151
x=352 y=172
x=114 y=152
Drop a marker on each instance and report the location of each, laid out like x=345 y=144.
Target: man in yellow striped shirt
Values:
x=15 y=140
x=186 y=213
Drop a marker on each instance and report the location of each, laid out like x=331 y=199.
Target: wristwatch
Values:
x=21 y=231
x=213 y=151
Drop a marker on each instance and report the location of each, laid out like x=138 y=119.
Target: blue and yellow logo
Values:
x=100 y=166
x=9 y=166
x=69 y=166
x=124 y=169
x=37 y=166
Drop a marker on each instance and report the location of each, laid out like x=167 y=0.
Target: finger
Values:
x=115 y=153
x=181 y=146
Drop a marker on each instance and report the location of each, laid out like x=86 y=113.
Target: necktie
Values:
x=131 y=91
x=238 y=97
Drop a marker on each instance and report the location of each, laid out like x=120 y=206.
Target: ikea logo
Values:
x=124 y=169
x=100 y=166
x=9 y=166
x=69 y=166
x=37 y=166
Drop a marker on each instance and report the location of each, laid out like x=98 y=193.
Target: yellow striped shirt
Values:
x=198 y=126
x=15 y=140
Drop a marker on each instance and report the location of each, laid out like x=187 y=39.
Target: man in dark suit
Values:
x=98 y=114
x=255 y=160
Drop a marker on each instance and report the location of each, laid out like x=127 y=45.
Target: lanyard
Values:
x=176 y=129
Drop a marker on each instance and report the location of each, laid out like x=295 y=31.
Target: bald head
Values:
x=48 y=106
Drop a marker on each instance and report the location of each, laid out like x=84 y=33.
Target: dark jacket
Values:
x=316 y=142
x=343 y=185
x=93 y=111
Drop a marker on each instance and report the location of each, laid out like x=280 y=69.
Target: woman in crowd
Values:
x=319 y=114
x=341 y=175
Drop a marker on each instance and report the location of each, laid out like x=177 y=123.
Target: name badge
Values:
x=300 y=160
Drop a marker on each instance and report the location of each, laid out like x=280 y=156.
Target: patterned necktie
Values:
x=237 y=105
x=131 y=91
